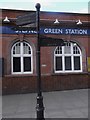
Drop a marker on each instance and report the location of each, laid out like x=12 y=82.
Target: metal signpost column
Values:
x=41 y=41
x=39 y=107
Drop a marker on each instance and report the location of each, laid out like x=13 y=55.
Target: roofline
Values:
x=70 y=13
x=17 y=10
x=49 y=12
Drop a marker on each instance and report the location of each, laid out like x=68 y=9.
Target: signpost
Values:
x=40 y=106
x=48 y=41
x=41 y=42
x=26 y=19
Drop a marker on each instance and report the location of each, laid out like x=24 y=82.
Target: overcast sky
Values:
x=76 y=6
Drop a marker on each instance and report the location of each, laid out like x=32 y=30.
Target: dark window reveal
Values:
x=67 y=63
x=21 y=58
x=76 y=63
x=16 y=64
x=58 y=63
x=27 y=64
x=68 y=58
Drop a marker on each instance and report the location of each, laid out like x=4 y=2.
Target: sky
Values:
x=76 y=6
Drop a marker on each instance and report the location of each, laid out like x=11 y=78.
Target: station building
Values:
x=63 y=67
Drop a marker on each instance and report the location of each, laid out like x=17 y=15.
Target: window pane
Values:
x=14 y=50
x=26 y=49
x=17 y=48
x=1 y=66
x=58 y=63
x=58 y=50
x=76 y=63
x=68 y=63
x=76 y=50
x=27 y=64
x=67 y=48
x=16 y=64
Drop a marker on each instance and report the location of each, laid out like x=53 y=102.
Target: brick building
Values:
x=62 y=67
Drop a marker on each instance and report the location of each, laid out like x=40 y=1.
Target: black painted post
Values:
x=39 y=107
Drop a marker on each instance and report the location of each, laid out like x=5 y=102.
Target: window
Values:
x=21 y=58
x=68 y=58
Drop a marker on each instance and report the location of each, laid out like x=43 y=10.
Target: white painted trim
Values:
x=21 y=55
x=63 y=60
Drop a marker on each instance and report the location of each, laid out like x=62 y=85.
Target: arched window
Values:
x=68 y=58
x=21 y=55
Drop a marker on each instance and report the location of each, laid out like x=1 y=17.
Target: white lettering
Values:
x=82 y=31
x=24 y=31
x=46 y=30
x=56 y=31
x=76 y=31
x=67 y=31
x=53 y=31
x=17 y=31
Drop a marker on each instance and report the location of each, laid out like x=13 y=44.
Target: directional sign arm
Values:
x=26 y=19
x=48 y=41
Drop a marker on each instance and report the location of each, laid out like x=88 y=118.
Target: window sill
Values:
x=20 y=75
x=53 y=74
x=71 y=73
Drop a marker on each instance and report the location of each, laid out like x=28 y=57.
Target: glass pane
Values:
x=68 y=63
x=58 y=63
x=76 y=50
x=17 y=48
x=1 y=66
x=58 y=50
x=16 y=64
x=14 y=50
x=67 y=48
x=26 y=49
x=76 y=63
x=27 y=64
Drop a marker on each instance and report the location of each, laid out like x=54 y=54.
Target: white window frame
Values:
x=21 y=55
x=63 y=60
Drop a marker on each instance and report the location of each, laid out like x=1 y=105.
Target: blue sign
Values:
x=66 y=31
x=59 y=31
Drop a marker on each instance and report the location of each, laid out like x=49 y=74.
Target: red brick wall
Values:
x=65 y=82
x=21 y=84
x=26 y=84
x=47 y=53
x=50 y=81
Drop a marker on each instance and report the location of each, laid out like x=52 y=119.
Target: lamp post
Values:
x=39 y=106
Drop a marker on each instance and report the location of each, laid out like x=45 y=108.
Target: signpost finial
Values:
x=38 y=6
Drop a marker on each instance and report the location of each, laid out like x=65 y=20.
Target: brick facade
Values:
x=50 y=81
